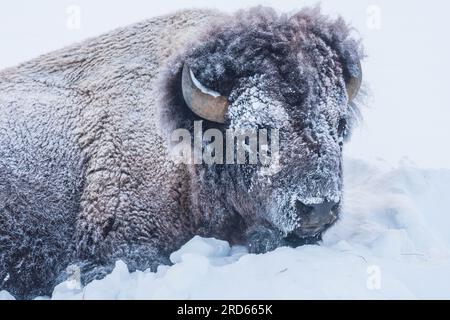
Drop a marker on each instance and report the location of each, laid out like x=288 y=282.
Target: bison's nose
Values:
x=317 y=216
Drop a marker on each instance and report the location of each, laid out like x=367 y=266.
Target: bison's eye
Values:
x=342 y=128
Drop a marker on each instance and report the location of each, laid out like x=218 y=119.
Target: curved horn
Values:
x=205 y=103
x=354 y=83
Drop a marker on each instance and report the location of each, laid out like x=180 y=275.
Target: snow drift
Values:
x=392 y=241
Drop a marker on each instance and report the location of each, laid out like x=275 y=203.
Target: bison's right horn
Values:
x=205 y=103
x=354 y=83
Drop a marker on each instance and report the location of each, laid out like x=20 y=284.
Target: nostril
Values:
x=316 y=217
x=325 y=208
x=317 y=212
x=303 y=209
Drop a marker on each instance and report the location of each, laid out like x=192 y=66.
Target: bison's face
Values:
x=298 y=75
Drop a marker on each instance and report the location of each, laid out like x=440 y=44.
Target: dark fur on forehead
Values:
x=261 y=41
x=290 y=48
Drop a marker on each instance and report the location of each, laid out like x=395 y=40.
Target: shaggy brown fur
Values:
x=84 y=167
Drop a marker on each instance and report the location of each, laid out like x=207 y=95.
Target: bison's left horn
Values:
x=354 y=83
x=205 y=103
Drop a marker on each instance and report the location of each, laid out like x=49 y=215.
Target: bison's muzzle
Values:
x=316 y=217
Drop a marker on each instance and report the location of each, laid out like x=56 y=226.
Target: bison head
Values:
x=298 y=74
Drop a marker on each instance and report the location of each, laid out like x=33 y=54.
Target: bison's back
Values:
x=81 y=163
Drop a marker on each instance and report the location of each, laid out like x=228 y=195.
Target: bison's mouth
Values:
x=293 y=240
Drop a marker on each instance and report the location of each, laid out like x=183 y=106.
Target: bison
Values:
x=86 y=172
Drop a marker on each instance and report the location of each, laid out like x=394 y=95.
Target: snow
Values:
x=5 y=295
x=210 y=248
x=392 y=241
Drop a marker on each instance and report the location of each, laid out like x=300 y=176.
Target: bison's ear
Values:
x=353 y=80
x=205 y=103
x=336 y=34
x=350 y=53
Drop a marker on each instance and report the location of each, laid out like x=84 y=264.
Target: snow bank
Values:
x=392 y=241
x=5 y=295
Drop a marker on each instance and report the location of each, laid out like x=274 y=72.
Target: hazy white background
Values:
x=407 y=67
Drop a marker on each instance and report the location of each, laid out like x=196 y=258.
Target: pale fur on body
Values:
x=83 y=169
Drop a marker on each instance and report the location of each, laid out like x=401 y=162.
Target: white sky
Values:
x=406 y=70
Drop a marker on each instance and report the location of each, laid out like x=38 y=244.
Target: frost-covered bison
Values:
x=86 y=175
